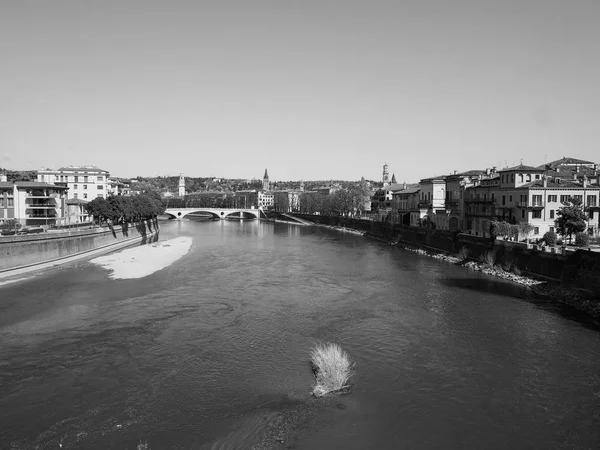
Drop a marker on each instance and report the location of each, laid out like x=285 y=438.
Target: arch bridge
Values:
x=219 y=213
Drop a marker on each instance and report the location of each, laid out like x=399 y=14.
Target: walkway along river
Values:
x=209 y=351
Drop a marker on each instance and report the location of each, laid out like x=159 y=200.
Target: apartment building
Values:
x=84 y=182
x=265 y=199
x=32 y=203
x=527 y=194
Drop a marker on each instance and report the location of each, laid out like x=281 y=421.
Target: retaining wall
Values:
x=28 y=250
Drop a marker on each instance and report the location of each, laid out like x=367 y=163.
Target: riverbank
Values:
x=140 y=262
x=25 y=254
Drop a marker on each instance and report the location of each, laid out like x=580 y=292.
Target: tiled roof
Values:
x=568 y=160
x=522 y=167
x=81 y=169
x=408 y=190
x=6 y=185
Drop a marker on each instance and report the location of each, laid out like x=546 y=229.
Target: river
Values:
x=208 y=352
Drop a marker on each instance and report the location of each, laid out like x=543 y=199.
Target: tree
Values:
x=550 y=238
x=524 y=229
x=582 y=239
x=100 y=208
x=10 y=226
x=571 y=218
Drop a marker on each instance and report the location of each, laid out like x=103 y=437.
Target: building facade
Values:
x=33 y=204
x=84 y=182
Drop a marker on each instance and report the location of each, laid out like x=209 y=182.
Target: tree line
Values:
x=121 y=209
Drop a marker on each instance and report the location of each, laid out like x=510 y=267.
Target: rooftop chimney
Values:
x=3 y=178
x=455 y=172
x=585 y=182
x=545 y=178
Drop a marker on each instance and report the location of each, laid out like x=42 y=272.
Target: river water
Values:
x=209 y=351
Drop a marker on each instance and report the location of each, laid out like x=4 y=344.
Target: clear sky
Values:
x=308 y=89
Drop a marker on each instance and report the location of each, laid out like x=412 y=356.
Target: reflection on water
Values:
x=208 y=351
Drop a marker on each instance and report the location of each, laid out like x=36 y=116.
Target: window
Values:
x=74 y=186
x=100 y=186
x=85 y=179
x=564 y=198
x=522 y=214
x=512 y=178
x=100 y=178
x=552 y=229
x=524 y=198
x=76 y=179
x=536 y=230
x=75 y=195
x=510 y=198
x=85 y=186
x=591 y=200
x=552 y=214
x=98 y=195
x=537 y=200
x=552 y=198
x=10 y=202
x=503 y=200
x=493 y=196
x=520 y=178
x=528 y=177
x=591 y=214
x=84 y=195
x=537 y=176
x=578 y=197
x=536 y=214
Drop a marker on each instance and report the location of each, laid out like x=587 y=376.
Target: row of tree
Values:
x=353 y=200
x=121 y=209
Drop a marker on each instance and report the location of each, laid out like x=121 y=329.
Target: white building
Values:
x=84 y=182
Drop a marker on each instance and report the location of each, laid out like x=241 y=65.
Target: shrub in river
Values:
x=332 y=368
x=582 y=239
x=143 y=445
x=516 y=270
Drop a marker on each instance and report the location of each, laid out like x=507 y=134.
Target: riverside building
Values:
x=84 y=182
x=32 y=203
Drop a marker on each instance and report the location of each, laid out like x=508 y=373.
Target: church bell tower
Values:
x=266 y=181
x=181 y=185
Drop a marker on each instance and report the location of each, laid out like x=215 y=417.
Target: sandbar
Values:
x=139 y=262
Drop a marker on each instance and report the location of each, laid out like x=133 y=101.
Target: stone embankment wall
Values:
x=29 y=250
x=578 y=270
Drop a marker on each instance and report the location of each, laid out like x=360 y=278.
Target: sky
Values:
x=311 y=90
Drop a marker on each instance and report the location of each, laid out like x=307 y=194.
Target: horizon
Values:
x=311 y=90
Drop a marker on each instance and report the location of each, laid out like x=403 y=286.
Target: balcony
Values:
x=480 y=200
